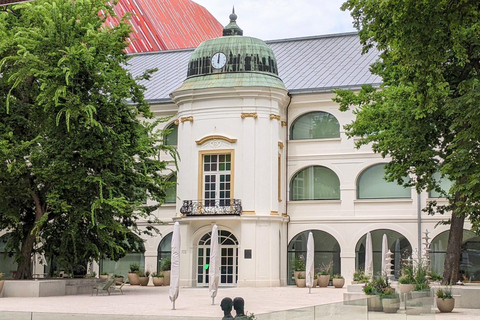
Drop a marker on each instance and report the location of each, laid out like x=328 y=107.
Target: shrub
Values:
x=134 y=268
x=360 y=276
x=299 y=263
x=166 y=264
x=445 y=293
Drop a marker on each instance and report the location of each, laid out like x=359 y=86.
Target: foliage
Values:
x=421 y=272
x=157 y=275
x=444 y=293
x=434 y=276
x=325 y=268
x=426 y=114
x=141 y=273
x=301 y=275
x=118 y=276
x=407 y=272
x=166 y=264
x=376 y=286
x=389 y=293
x=134 y=268
x=77 y=162
x=360 y=276
x=337 y=276
x=147 y=273
x=299 y=263
x=104 y=273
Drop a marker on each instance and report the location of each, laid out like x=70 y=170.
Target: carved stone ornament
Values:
x=274 y=117
x=284 y=123
x=183 y=119
x=176 y=122
x=249 y=115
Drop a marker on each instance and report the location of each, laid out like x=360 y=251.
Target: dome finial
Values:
x=232 y=29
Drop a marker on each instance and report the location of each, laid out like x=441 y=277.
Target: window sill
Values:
x=315 y=201
x=315 y=140
x=389 y=200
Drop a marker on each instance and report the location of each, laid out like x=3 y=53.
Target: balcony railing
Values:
x=211 y=207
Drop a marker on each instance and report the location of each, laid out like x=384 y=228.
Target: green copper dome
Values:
x=232 y=60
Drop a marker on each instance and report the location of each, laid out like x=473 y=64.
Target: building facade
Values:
x=264 y=156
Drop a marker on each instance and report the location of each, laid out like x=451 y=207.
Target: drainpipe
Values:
x=419 y=226
x=286 y=178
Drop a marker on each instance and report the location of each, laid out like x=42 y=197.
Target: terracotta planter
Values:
x=391 y=305
x=374 y=303
x=166 y=277
x=296 y=273
x=323 y=280
x=133 y=279
x=143 y=281
x=301 y=283
x=157 y=281
x=405 y=288
x=104 y=276
x=119 y=280
x=338 y=283
x=445 y=305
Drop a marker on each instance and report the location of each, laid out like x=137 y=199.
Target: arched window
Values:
x=445 y=184
x=372 y=185
x=315 y=125
x=315 y=183
x=164 y=249
x=327 y=250
x=397 y=244
x=171 y=192
x=171 y=138
x=470 y=258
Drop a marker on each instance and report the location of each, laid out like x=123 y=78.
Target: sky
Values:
x=281 y=19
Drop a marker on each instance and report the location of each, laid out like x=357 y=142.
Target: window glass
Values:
x=372 y=185
x=315 y=183
x=445 y=184
x=315 y=125
x=171 y=192
x=171 y=138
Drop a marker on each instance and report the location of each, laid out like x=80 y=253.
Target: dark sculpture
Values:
x=239 y=306
x=226 y=306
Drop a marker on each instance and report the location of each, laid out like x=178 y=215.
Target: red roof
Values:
x=167 y=24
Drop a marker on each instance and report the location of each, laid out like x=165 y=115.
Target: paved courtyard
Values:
x=192 y=303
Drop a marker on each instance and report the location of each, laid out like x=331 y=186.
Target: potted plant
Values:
x=157 y=278
x=118 y=278
x=373 y=289
x=324 y=274
x=144 y=277
x=165 y=266
x=133 y=277
x=390 y=300
x=298 y=268
x=338 y=281
x=104 y=275
x=301 y=281
x=359 y=276
x=406 y=282
x=445 y=300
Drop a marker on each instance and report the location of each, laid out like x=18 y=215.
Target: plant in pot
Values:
x=157 y=278
x=144 y=277
x=373 y=289
x=298 y=267
x=406 y=282
x=118 y=278
x=445 y=300
x=301 y=281
x=390 y=300
x=338 y=281
x=165 y=266
x=104 y=275
x=133 y=277
x=324 y=274
x=359 y=276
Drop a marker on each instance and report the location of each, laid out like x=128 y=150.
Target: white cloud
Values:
x=278 y=19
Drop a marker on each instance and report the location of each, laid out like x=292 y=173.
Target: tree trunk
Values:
x=451 y=273
x=24 y=270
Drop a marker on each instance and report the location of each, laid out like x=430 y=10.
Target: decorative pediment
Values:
x=215 y=137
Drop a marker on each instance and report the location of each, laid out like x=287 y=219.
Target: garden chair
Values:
x=119 y=287
x=105 y=287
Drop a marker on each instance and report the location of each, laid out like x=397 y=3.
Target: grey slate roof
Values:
x=311 y=64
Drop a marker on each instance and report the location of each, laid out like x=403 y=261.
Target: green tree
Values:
x=426 y=114
x=77 y=162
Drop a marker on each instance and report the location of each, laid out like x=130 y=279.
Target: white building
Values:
x=263 y=154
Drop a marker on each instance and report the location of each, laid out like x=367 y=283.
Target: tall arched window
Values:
x=372 y=185
x=164 y=249
x=315 y=183
x=171 y=192
x=171 y=138
x=315 y=125
x=445 y=184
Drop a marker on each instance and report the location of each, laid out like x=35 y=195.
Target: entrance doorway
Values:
x=229 y=259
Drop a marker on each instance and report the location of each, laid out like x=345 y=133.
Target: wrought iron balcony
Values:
x=211 y=207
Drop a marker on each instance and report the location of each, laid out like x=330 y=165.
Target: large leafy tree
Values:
x=426 y=115
x=76 y=162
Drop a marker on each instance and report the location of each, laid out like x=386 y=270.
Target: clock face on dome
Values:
x=219 y=60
